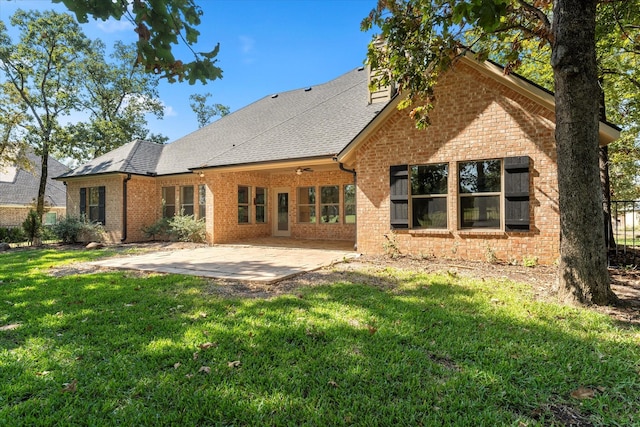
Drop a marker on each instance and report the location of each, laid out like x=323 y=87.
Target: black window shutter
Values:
x=516 y=193
x=101 y=204
x=399 y=196
x=83 y=201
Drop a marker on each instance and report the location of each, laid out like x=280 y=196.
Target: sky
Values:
x=266 y=47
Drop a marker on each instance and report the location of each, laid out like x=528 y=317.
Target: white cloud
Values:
x=169 y=111
x=246 y=44
x=113 y=26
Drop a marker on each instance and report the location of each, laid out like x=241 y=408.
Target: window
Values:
x=243 y=204
x=349 y=204
x=429 y=188
x=480 y=184
x=92 y=204
x=186 y=199
x=307 y=205
x=202 y=201
x=330 y=204
x=261 y=203
x=50 y=218
x=168 y=202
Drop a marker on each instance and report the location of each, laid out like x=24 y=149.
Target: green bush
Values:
x=12 y=235
x=32 y=226
x=186 y=228
x=157 y=230
x=73 y=229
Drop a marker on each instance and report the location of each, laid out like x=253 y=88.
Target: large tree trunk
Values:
x=583 y=275
x=42 y=188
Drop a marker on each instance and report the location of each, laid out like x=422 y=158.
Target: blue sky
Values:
x=266 y=47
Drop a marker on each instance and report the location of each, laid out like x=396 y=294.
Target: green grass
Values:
x=413 y=349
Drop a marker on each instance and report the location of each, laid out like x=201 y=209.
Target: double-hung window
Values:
x=92 y=204
x=260 y=203
x=480 y=185
x=168 y=202
x=429 y=188
x=349 y=200
x=330 y=204
x=186 y=200
x=202 y=201
x=244 y=196
x=307 y=205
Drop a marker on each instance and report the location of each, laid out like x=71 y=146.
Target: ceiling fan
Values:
x=300 y=171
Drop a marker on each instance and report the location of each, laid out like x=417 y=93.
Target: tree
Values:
x=160 y=26
x=422 y=39
x=41 y=73
x=117 y=95
x=205 y=113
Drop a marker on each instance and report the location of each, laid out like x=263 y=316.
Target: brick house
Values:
x=335 y=161
x=19 y=190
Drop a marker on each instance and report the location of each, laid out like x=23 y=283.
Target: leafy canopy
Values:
x=160 y=25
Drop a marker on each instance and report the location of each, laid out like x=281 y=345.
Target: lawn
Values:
x=378 y=347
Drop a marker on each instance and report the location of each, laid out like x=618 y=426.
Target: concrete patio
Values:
x=259 y=260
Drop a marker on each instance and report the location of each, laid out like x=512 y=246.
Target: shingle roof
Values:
x=23 y=189
x=137 y=157
x=295 y=124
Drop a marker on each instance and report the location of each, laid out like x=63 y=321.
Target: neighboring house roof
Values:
x=21 y=187
x=299 y=124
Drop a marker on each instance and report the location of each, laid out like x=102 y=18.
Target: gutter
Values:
x=124 y=207
x=355 y=184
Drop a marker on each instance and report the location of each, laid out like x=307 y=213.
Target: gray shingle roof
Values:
x=292 y=125
x=23 y=190
x=137 y=157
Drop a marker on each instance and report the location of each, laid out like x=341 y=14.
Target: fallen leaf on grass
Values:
x=196 y=355
x=70 y=387
x=205 y=369
x=43 y=373
x=10 y=327
x=234 y=364
x=372 y=330
x=207 y=345
x=177 y=365
x=333 y=384
x=583 y=393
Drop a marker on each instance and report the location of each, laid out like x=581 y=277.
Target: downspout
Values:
x=124 y=207
x=355 y=184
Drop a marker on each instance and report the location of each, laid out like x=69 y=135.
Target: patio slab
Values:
x=245 y=262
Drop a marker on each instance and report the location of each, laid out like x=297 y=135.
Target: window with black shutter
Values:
x=92 y=204
x=516 y=193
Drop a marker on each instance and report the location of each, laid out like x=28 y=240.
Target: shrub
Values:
x=186 y=228
x=73 y=229
x=157 y=230
x=32 y=226
x=12 y=235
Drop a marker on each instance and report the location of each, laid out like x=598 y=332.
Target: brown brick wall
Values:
x=474 y=118
x=113 y=202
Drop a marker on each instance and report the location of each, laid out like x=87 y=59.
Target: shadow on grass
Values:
x=372 y=349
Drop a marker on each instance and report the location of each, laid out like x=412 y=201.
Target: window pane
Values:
x=94 y=213
x=349 y=194
x=187 y=195
x=429 y=179
x=260 y=216
x=480 y=212
x=169 y=195
x=94 y=196
x=168 y=211
x=349 y=214
x=330 y=195
x=330 y=213
x=307 y=196
x=480 y=177
x=260 y=195
x=243 y=214
x=243 y=195
x=187 y=209
x=429 y=212
x=307 y=214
